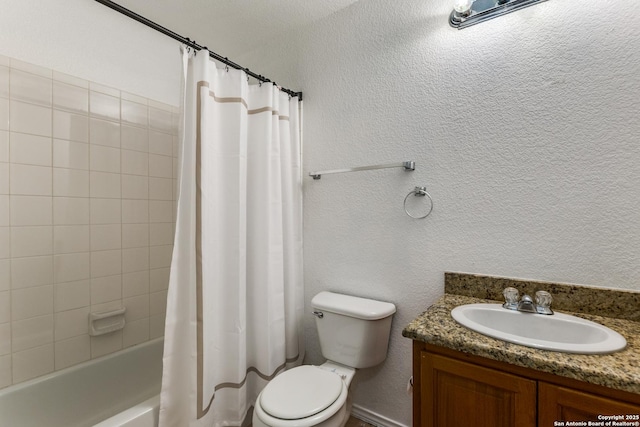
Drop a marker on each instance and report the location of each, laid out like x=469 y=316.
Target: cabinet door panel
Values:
x=456 y=394
x=557 y=404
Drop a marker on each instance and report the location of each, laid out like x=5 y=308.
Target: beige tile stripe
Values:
x=202 y=411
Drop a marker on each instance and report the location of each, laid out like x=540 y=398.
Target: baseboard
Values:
x=371 y=417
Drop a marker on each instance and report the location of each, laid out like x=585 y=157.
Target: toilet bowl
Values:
x=306 y=396
x=354 y=333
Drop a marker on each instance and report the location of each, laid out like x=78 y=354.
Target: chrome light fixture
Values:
x=469 y=12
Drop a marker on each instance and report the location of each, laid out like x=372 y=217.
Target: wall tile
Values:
x=137 y=308
x=31 y=210
x=135 y=235
x=159 y=279
x=134 y=113
x=160 y=166
x=107 y=236
x=70 y=211
x=5 y=339
x=135 y=211
x=30 y=88
x=69 y=126
x=72 y=351
x=4 y=178
x=106 y=133
x=70 y=239
x=5 y=306
x=31 y=302
x=71 y=295
x=32 y=332
x=135 y=162
x=71 y=98
x=135 y=332
x=30 y=149
x=4 y=146
x=135 y=138
x=160 y=188
x=70 y=80
x=31 y=180
x=4 y=82
x=5 y=242
x=160 y=143
x=5 y=211
x=32 y=363
x=29 y=118
x=135 y=259
x=105 y=185
x=160 y=256
x=104 y=106
x=134 y=284
x=106 y=263
x=158 y=303
x=86 y=208
x=106 y=289
x=31 y=68
x=31 y=271
x=70 y=182
x=160 y=211
x=135 y=187
x=5 y=274
x=104 y=159
x=31 y=241
x=106 y=211
x=71 y=267
x=70 y=154
x=71 y=323
x=160 y=120
x=161 y=234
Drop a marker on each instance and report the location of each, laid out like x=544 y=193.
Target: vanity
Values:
x=464 y=378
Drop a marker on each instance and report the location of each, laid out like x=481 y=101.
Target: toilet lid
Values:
x=300 y=392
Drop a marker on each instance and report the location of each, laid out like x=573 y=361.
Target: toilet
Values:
x=354 y=334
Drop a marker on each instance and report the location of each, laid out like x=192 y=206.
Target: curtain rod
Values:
x=191 y=44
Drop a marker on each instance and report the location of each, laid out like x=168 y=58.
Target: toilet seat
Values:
x=333 y=409
x=300 y=392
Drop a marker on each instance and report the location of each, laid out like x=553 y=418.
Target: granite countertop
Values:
x=620 y=370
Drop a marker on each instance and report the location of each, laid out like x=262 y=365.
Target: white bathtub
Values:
x=80 y=396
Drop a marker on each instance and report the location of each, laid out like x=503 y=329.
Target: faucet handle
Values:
x=511 y=298
x=543 y=302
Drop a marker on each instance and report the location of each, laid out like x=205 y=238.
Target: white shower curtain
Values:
x=235 y=300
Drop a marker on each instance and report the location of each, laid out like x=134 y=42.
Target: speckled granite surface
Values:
x=578 y=299
x=619 y=370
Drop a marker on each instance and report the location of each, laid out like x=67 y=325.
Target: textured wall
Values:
x=524 y=130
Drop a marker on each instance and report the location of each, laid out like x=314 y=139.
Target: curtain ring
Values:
x=419 y=192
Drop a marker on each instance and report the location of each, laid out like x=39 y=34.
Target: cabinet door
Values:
x=558 y=404
x=456 y=394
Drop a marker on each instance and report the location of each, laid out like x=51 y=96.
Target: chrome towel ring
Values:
x=419 y=192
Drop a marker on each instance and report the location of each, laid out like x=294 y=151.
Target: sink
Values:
x=558 y=332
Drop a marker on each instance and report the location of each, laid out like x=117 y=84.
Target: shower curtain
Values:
x=235 y=299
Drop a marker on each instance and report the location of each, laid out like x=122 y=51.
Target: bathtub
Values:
x=107 y=391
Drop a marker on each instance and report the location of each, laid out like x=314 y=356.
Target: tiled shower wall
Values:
x=87 y=198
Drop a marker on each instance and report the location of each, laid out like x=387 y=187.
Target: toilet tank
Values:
x=353 y=331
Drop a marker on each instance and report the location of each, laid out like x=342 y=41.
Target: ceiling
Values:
x=233 y=27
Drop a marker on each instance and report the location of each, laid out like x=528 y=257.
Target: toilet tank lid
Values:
x=361 y=308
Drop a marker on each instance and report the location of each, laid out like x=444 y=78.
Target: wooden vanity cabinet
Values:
x=456 y=389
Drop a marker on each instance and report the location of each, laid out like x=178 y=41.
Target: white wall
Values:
x=524 y=130
x=88 y=40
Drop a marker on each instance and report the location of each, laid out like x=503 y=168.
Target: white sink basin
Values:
x=557 y=332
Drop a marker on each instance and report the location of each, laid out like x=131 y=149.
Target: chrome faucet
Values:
x=526 y=304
